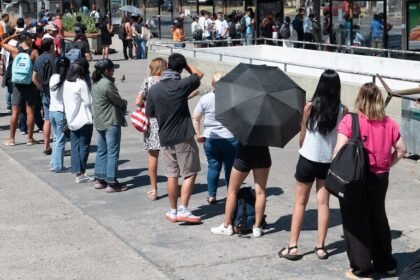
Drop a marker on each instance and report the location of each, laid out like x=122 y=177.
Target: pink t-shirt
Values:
x=380 y=137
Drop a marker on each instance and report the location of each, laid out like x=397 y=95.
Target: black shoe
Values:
x=47 y=152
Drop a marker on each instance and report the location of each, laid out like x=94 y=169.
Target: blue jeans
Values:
x=80 y=144
x=218 y=152
x=108 y=154
x=57 y=123
x=8 y=98
x=141 y=48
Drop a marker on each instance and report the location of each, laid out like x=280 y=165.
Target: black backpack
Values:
x=198 y=33
x=232 y=30
x=244 y=216
x=122 y=32
x=347 y=175
x=8 y=76
x=285 y=31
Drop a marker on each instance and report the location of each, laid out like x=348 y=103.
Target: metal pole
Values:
x=159 y=21
x=385 y=25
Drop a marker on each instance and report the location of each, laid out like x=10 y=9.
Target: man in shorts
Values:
x=168 y=102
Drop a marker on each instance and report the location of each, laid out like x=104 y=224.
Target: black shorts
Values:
x=307 y=171
x=250 y=157
x=25 y=94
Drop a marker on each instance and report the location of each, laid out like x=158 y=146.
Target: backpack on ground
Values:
x=22 y=67
x=242 y=25
x=198 y=33
x=47 y=71
x=347 y=175
x=122 y=32
x=285 y=31
x=244 y=216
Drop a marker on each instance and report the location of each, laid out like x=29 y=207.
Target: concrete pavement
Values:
x=53 y=228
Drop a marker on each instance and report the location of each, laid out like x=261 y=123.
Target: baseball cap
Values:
x=50 y=27
x=106 y=63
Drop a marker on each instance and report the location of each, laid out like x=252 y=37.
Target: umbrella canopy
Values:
x=260 y=105
x=131 y=9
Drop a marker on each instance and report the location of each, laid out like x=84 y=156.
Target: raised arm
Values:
x=193 y=70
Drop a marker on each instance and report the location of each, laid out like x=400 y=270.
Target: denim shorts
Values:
x=46 y=106
x=181 y=159
x=307 y=171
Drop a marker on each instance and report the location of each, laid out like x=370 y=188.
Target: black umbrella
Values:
x=260 y=105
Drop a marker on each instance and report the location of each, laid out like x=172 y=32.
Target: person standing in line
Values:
x=168 y=102
x=267 y=28
x=6 y=82
x=57 y=116
x=367 y=234
x=221 y=28
x=298 y=26
x=151 y=136
x=106 y=36
x=308 y=28
x=78 y=107
x=178 y=35
x=136 y=29
x=23 y=95
x=4 y=22
x=43 y=69
x=318 y=136
x=249 y=26
x=109 y=116
x=219 y=143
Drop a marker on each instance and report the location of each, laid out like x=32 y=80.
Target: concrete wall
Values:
x=210 y=60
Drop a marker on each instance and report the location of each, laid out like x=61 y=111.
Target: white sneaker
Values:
x=257 y=232
x=84 y=179
x=222 y=230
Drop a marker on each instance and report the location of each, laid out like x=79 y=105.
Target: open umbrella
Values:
x=260 y=105
x=131 y=9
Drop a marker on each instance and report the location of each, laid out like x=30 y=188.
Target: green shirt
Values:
x=108 y=107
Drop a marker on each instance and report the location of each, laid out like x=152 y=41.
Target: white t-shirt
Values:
x=212 y=128
x=6 y=54
x=208 y=28
x=221 y=27
x=56 y=96
x=77 y=103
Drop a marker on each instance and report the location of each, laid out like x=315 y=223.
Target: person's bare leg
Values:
x=30 y=121
x=323 y=204
x=235 y=182
x=302 y=191
x=46 y=131
x=172 y=186
x=260 y=178
x=14 y=122
x=187 y=188
x=152 y=161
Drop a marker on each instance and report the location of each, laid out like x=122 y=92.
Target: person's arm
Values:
x=196 y=120
x=224 y=28
x=399 y=151
x=305 y=117
x=115 y=98
x=341 y=141
x=194 y=94
x=88 y=55
x=109 y=27
x=139 y=100
x=193 y=70
x=35 y=80
x=11 y=49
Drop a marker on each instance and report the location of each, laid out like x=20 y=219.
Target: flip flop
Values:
x=321 y=257
x=8 y=143
x=290 y=257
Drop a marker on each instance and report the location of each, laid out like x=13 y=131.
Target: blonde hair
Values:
x=216 y=77
x=157 y=66
x=369 y=102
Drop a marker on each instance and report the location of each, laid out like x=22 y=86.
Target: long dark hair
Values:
x=97 y=75
x=325 y=103
x=61 y=68
x=76 y=71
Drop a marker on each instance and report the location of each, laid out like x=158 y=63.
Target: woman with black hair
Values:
x=318 y=136
x=77 y=103
x=57 y=116
x=110 y=110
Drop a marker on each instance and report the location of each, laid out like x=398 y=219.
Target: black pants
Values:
x=366 y=230
x=128 y=45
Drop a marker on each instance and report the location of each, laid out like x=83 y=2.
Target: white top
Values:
x=201 y=21
x=221 y=27
x=319 y=148
x=208 y=28
x=77 y=103
x=194 y=25
x=212 y=128
x=56 y=96
x=307 y=25
x=6 y=54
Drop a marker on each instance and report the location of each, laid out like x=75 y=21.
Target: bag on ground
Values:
x=244 y=216
x=22 y=68
x=347 y=175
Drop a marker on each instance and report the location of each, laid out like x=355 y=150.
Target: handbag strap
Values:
x=355 y=128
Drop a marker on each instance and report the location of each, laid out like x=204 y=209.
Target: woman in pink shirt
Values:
x=366 y=230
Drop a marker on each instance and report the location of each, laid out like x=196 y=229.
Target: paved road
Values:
x=52 y=228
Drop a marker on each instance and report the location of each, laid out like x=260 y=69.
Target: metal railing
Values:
x=154 y=46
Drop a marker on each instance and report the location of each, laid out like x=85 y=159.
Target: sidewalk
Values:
x=53 y=228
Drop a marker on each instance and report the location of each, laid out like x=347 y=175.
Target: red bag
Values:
x=139 y=119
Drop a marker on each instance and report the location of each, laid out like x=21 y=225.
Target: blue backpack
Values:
x=22 y=67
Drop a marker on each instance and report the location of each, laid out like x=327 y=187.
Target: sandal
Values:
x=290 y=257
x=152 y=195
x=211 y=200
x=321 y=257
x=9 y=143
x=31 y=142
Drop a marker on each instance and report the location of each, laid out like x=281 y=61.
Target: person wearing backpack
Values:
x=247 y=23
x=79 y=47
x=43 y=70
x=24 y=90
x=367 y=234
x=285 y=32
x=318 y=135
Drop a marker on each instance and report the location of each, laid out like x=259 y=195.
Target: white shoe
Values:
x=222 y=230
x=257 y=232
x=84 y=179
